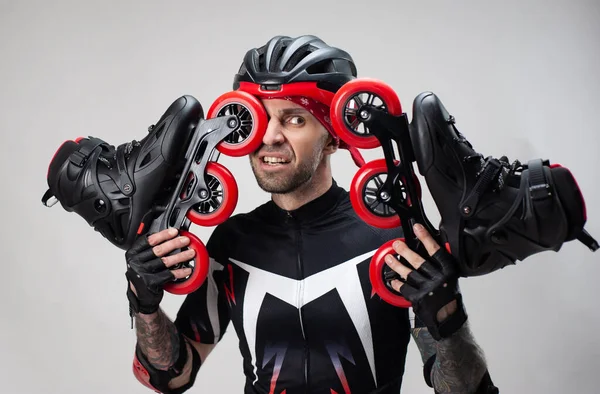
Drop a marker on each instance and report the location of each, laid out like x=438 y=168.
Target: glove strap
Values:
x=452 y=323
x=135 y=306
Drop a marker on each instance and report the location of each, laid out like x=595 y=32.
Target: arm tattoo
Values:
x=425 y=342
x=158 y=339
x=459 y=363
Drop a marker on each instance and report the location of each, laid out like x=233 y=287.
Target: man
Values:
x=292 y=275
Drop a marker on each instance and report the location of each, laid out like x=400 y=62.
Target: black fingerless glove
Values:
x=431 y=287
x=148 y=274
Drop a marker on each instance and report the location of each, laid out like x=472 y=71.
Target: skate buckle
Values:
x=540 y=191
x=486 y=176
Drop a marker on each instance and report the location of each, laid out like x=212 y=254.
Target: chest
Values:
x=297 y=278
x=304 y=293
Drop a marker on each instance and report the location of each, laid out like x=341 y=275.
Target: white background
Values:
x=520 y=77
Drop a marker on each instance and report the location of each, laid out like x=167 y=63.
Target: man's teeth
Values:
x=273 y=160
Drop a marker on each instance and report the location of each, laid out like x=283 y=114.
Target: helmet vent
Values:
x=321 y=67
x=277 y=51
x=261 y=62
x=297 y=56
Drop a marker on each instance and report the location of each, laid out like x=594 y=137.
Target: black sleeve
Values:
x=204 y=314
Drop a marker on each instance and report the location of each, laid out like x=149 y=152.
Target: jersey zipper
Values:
x=300 y=294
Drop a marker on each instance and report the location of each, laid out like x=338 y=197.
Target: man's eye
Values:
x=297 y=120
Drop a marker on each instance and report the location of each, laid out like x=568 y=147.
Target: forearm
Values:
x=158 y=339
x=459 y=361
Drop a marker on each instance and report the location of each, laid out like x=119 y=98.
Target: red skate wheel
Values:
x=222 y=198
x=348 y=101
x=252 y=122
x=377 y=270
x=199 y=271
x=363 y=195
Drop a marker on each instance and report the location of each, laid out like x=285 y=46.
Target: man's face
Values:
x=292 y=147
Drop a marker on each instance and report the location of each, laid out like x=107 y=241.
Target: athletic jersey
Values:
x=295 y=286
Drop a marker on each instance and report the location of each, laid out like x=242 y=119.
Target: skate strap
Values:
x=84 y=150
x=585 y=238
x=488 y=175
x=78 y=157
x=125 y=184
x=539 y=188
x=541 y=193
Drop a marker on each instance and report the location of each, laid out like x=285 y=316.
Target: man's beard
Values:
x=285 y=183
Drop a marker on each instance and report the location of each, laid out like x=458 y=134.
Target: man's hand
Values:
x=431 y=285
x=149 y=268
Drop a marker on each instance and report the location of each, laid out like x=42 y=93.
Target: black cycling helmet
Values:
x=283 y=60
x=304 y=66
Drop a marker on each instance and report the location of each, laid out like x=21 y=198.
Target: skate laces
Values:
x=491 y=176
x=460 y=138
x=491 y=173
x=129 y=146
x=105 y=161
x=496 y=172
x=112 y=154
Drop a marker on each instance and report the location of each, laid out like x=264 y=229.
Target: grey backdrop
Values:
x=520 y=76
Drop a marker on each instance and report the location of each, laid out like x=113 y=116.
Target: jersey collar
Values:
x=313 y=210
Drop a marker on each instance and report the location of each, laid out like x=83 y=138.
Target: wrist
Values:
x=143 y=305
x=447 y=311
x=147 y=317
x=457 y=334
x=449 y=323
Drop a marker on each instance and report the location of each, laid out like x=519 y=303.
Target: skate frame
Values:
x=391 y=129
x=207 y=135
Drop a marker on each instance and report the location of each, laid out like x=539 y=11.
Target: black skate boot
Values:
x=169 y=179
x=113 y=188
x=493 y=212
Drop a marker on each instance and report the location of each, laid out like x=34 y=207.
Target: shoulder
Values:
x=234 y=227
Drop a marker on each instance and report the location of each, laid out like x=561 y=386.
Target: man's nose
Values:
x=274 y=134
